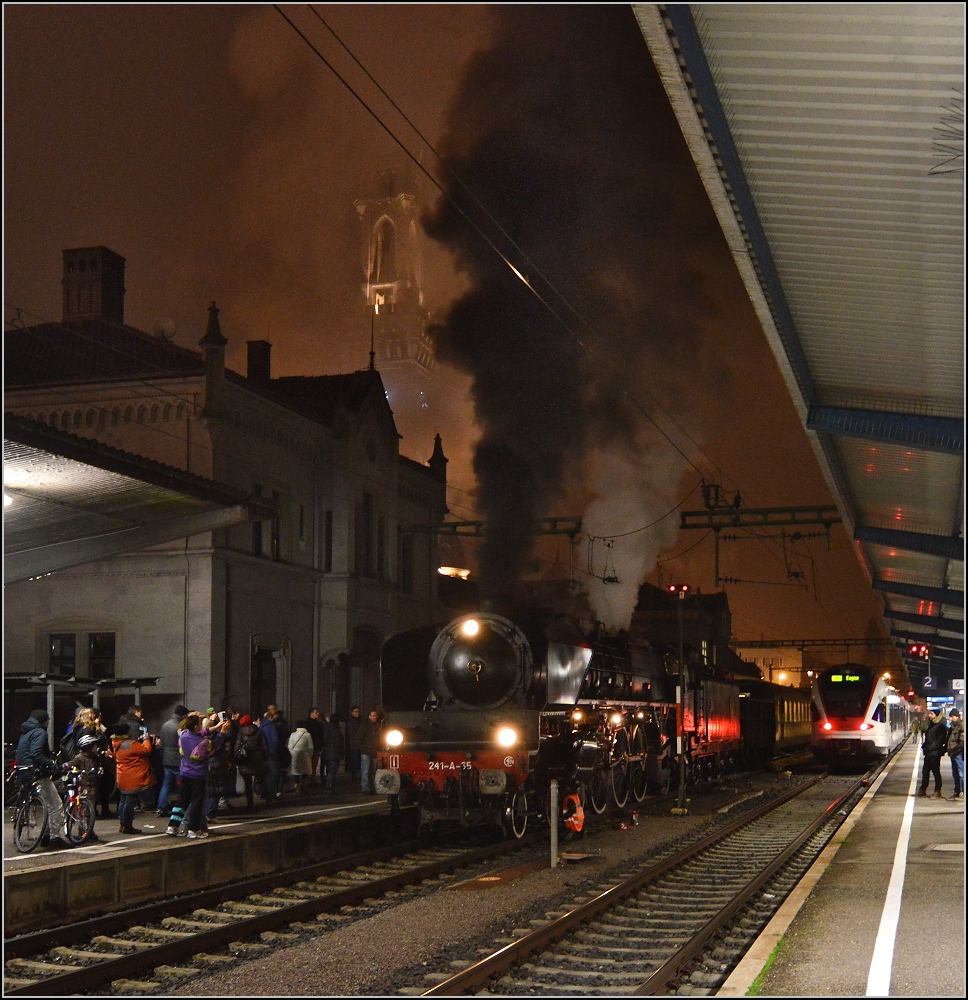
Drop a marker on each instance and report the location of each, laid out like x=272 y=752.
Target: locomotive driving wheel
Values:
x=597 y=797
x=619 y=767
x=639 y=778
x=516 y=814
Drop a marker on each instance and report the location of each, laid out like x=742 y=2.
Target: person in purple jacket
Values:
x=195 y=744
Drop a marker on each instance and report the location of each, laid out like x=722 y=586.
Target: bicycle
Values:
x=31 y=820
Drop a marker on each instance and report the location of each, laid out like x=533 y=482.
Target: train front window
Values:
x=847 y=691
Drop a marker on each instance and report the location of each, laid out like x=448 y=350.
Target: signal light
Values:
x=827 y=726
x=678 y=588
x=864 y=725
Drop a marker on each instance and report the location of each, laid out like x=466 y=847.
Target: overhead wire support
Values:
x=718 y=516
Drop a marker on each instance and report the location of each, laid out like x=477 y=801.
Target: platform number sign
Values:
x=930 y=684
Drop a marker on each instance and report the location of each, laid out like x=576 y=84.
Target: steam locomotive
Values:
x=482 y=713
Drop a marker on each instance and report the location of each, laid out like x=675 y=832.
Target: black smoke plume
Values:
x=562 y=130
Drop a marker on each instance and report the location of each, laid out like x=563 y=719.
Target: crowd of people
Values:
x=198 y=761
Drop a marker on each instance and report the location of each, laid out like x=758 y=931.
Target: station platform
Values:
x=882 y=911
x=51 y=886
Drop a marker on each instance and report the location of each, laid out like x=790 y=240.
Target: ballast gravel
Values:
x=383 y=954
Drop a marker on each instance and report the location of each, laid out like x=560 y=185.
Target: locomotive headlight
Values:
x=865 y=725
x=470 y=627
x=616 y=719
x=507 y=737
x=576 y=716
x=827 y=726
x=394 y=738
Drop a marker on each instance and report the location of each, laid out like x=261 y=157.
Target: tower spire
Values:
x=372 y=352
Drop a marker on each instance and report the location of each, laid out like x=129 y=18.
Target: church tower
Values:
x=394 y=300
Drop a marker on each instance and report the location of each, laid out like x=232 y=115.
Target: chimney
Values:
x=258 y=365
x=93 y=284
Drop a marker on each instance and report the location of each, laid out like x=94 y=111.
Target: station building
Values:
x=291 y=610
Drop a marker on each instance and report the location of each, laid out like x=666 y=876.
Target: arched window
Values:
x=78 y=418
x=102 y=418
x=128 y=414
x=166 y=413
x=116 y=415
x=384 y=253
x=89 y=420
x=66 y=420
x=181 y=412
x=142 y=413
x=154 y=414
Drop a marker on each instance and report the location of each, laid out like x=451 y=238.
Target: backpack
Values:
x=249 y=751
x=67 y=750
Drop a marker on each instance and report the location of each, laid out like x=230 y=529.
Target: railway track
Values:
x=143 y=948
x=677 y=926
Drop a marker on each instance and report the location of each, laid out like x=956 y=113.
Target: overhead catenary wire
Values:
x=543 y=299
x=503 y=256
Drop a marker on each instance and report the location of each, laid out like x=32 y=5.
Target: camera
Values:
x=223 y=716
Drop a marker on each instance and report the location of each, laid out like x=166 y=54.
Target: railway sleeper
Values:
x=181 y=923
x=654 y=939
x=554 y=976
x=122 y=944
x=215 y=916
x=175 y=972
x=129 y=986
x=241 y=907
x=77 y=955
x=44 y=968
x=158 y=933
x=209 y=958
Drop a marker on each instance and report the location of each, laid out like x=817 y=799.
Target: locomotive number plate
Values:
x=443 y=765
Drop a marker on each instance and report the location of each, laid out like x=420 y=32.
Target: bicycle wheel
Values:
x=29 y=824
x=80 y=820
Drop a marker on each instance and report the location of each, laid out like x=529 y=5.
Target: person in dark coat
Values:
x=219 y=769
x=252 y=759
x=934 y=747
x=371 y=733
x=274 y=754
x=33 y=750
x=170 y=757
x=313 y=725
x=956 y=751
x=353 y=724
x=333 y=750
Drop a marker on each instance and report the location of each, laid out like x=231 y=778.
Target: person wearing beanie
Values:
x=170 y=758
x=33 y=750
x=934 y=747
x=133 y=761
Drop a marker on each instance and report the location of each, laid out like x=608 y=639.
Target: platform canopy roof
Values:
x=70 y=500
x=830 y=139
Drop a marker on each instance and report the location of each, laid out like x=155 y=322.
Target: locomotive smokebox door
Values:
x=479 y=661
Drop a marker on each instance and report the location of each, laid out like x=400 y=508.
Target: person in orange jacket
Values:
x=134 y=775
x=572 y=812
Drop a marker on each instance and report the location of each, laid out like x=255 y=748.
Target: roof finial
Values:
x=213 y=333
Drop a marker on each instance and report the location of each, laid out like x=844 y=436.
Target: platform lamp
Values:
x=680 y=589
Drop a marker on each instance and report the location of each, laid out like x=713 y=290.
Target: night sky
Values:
x=213 y=150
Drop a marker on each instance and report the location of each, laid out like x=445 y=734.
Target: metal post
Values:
x=553 y=816
x=680 y=734
x=50 y=713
